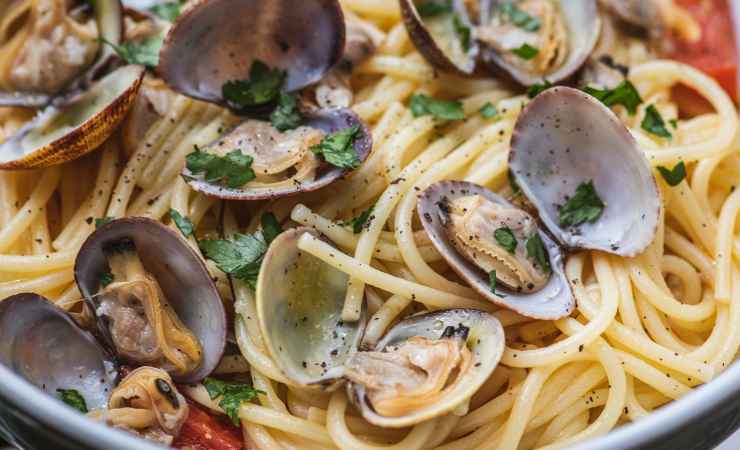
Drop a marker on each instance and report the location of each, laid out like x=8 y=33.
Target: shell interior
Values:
x=553 y=301
x=299 y=305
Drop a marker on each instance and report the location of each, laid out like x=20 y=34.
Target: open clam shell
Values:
x=327 y=121
x=41 y=343
x=553 y=301
x=299 y=306
x=583 y=25
x=179 y=271
x=565 y=137
x=218 y=41
x=445 y=38
x=60 y=134
x=484 y=338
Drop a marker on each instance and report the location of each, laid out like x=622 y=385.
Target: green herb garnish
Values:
x=488 y=111
x=102 y=221
x=358 y=223
x=338 y=148
x=625 y=94
x=463 y=32
x=432 y=8
x=674 y=123
x=506 y=239
x=424 y=105
x=492 y=280
x=515 y=189
x=73 y=398
x=286 y=116
x=183 y=223
x=653 y=123
x=105 y=279
x=234 y=170
x=519 y=17
x=537 y=89
x=262 y=87
x=536 y=251
x=674 y=176
x=240 y=257
x=270 y=227
x=168 y=11
x=584 y=206
x=526 y=51
x=145 y=53
x=232 y=396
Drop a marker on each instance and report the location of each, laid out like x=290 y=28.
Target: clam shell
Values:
x=216 y=41
x=328 y=121
x=178 y=270
x=42 y=344
x=485 y=341
x=565 y=137
x=554 y=301
x=299 y=306
x=61 y=134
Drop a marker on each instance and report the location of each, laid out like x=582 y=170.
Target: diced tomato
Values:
x=715 y=53
x=203 y=431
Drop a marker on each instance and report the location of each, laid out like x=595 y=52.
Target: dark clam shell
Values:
x=217 y=41
x=44 y=345
x=328 y=121
x=553 y=301
x=180 y=272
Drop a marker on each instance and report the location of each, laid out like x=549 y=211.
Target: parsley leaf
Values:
x=463 y=32
x=431 y=8
x=358 y=223
x=72 y=398
x=262 y=87
x=286 y=116
x=537 y=89
x=674 y=123
x=234 y=169
x=492 y=280
x=515 y=189
x=338 y=148
x=240 y=257
x=423 y=105
x=674 y=176
x=183 y=223
x=145 y=52
x=625 y=94
x=105 y=279
x=653 y=123
x=232 y=396
x=488 y=111
x=536 y=250
x=102 y=221
x=270 y=227
x=526 y=51
x=519 y=17
x=584 y=206
x=168 y=11
x=506 y=239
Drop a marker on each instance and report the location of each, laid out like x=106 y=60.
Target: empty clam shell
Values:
x=42 y=344
x=218 y=40
x=179 y=271
x=61 y=134
x=552 y=301
x=482 y=335
x=327 y=121
x=564 y=138
x=299 y=306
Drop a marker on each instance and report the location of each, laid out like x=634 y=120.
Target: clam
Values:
x=551 y=41
x=283 y=161
x=299 y=304
x=566 y=139
x=40 y=65
x=42 y=344
x=62 y=133
x=425 y=366
x=442 y=32
x=465 y=222
x=154 y=301
x=217 y=41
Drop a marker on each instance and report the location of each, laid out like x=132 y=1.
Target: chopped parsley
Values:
x=492 y=280
x=488 y=111
x=232 y=396
x=584 y=206
x=519 y=17
x=240 y=257
x=537 y=89
x=262 y=87
x=168 y=11
x=183 y=223
x=270 y=227
x=463 y=32
x=536 y=251
x=674 y=176
x=233 y=170
x=338 y=148
x=145 y=53
x=625 y=94
x=506 y=239
x=526 y=51
x=102 y=221
x=358 y=223
x=105 y=279
x=432 y=8
x=424 y=105
x=653 y=123
x=512 y=183
x=72 y=398
x=674 y=123
x=286 y=116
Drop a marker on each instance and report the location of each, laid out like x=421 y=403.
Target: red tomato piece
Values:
x=203 y=431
